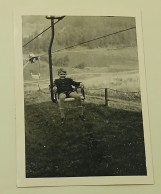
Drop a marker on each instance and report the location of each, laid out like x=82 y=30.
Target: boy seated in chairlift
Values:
x=63 y=86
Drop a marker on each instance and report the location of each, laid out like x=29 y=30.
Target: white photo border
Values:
x=22 y=181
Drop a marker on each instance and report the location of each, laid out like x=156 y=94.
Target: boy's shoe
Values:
x=62 y=120
x=82 y=117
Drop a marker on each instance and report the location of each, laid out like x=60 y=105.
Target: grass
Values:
x=124 y=81
x=109 y=143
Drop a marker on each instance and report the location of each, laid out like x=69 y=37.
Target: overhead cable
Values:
x=42 y=32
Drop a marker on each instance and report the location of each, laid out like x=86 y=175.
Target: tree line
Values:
x=74 y=30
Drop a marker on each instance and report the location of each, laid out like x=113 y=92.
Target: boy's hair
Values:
x=61 y=70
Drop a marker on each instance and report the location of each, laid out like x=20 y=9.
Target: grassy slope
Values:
x=95 y=60
x=109 y=142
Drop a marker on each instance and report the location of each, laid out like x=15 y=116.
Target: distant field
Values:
x=102 y=60
x=124 y=81
x=116 y=69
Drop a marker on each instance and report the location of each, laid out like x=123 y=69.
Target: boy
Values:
x=63 y=86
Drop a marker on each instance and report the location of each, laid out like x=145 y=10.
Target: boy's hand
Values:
x=54 y=88
x=81 y=85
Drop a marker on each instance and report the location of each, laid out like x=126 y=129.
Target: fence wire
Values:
x=114 y=94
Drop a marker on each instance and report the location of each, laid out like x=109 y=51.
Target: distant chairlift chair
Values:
x=34 y=59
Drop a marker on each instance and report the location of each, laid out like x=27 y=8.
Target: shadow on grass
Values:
x=109 y=143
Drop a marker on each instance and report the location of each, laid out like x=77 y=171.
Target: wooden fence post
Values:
x=106 y=97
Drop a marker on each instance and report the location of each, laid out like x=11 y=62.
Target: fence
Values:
x=112 y=95
x=106 y=96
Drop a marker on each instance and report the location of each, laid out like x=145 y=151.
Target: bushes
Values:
x=80 y=65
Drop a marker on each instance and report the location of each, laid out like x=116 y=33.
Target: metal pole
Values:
x=50 y=58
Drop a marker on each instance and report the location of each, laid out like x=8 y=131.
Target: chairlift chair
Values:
x=69 y=99
x=54 y=95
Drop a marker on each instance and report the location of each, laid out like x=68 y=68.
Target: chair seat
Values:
x=69 y=100
x=72 y=99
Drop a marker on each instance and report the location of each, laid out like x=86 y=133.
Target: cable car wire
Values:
x=91 y=40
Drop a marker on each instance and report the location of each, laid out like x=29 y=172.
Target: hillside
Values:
x=73 y=30
x=109 y=143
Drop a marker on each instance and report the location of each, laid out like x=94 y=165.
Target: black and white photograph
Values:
x=82 y=97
